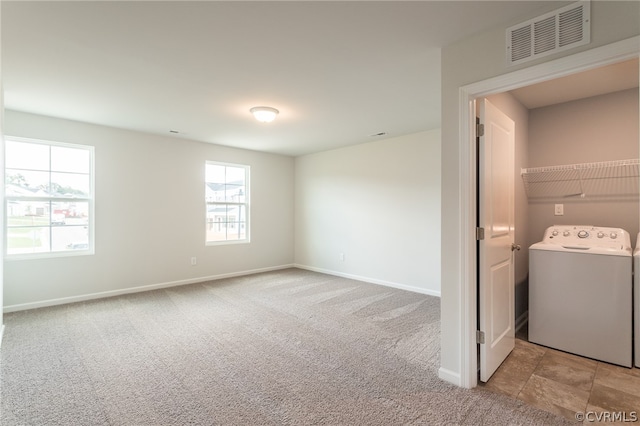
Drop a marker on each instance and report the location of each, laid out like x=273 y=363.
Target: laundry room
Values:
x=576 y=163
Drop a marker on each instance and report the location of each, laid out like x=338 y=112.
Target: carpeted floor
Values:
x=289 y=347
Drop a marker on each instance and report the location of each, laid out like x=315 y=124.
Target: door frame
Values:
x=583 y=61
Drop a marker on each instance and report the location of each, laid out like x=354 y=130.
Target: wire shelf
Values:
x=606 y=179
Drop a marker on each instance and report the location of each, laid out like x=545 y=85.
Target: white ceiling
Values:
x=338 y=72
x=599 y=81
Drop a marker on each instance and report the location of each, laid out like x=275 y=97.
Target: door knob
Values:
x=515 y=247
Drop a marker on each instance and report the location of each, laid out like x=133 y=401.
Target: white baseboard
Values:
x=449 y=376
x=111 y=293
x=1 y=334
x=522 y=320
x=370 y=280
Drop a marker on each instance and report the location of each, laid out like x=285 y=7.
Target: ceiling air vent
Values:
x=553 y=32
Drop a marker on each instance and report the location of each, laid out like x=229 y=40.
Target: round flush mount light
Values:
x=264 y=114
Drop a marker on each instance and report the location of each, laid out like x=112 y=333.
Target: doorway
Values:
x=592 y=59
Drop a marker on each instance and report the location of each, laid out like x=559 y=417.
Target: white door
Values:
x=496 y=216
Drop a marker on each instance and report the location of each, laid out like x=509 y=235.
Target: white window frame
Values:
x=90 y=250
x=246 y=204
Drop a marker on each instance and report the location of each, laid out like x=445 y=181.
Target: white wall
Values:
x=379 y=204
x=599 y=128
x=150 y=216
x=476 y=59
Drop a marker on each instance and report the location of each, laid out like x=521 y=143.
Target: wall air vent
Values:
x=553 y=32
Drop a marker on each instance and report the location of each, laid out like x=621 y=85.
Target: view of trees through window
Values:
x=48 y=197
x=227 y=199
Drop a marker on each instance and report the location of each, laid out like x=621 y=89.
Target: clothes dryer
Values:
x=580 y=292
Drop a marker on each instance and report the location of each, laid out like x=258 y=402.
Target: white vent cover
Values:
x=553 y=32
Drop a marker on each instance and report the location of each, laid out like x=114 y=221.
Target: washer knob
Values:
x=600 y=234
x=554 y=233
x=566 y=233
x=583 y=234
x=613 y=235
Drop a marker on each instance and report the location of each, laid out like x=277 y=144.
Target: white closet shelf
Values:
x=605 y=179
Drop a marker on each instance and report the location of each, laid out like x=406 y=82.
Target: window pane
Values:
x=27 y=213
x=65 y=159
x=235 y=175
x=215 y=173
x=69 y=238
x=234 y=193
x=235 y=213
x=217 y=234
x=214 y=192
x=236 y=222
x=22 y=155
x=70 y=185
x=217 y=224
x=236 y=231
x=217 y=212
x=226 y=222
x=27 y=183
x=75 y=213
x=27 y=240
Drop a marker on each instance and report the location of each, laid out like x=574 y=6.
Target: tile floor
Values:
x=567 y=384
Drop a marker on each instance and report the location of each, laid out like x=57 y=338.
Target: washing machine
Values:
x=636 y=298
x=580 y=292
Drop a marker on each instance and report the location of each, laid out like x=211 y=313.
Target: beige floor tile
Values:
x=569 y=370
x=598 y=415
x=555 y=397
x=635 y=371
x=528 y=350
x=586 y=362
x=612 y=399
x=510 y=378
x=514 y=372
x=624 y=379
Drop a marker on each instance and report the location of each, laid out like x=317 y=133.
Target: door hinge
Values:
x=479 y=234
x=480 y=129
x=480 y=337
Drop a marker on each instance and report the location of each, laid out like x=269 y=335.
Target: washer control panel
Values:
x=583 y=236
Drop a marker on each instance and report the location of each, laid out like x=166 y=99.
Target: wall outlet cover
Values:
x=559 y=210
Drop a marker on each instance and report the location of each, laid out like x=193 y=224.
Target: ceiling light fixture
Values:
x=264 y=114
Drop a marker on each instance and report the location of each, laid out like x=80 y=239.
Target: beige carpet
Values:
x=289 y=347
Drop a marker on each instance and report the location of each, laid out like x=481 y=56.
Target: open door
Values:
x=496 y=280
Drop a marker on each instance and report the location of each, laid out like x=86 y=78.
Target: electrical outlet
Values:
x=342 y=257
x=194 y=261
x=559 y=210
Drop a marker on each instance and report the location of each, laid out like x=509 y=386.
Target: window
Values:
x=48 y=198
x=227 y=199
